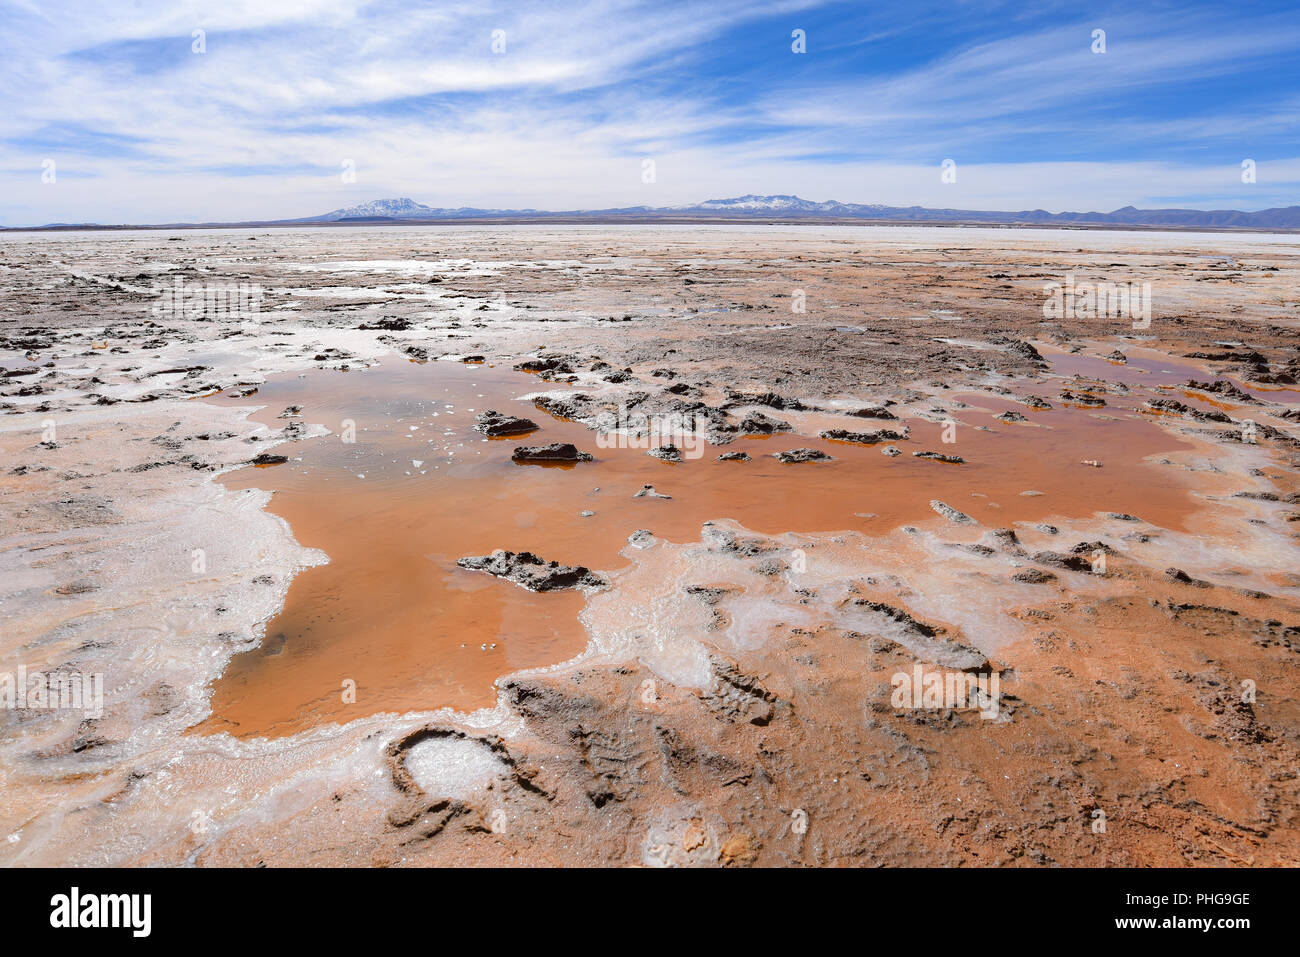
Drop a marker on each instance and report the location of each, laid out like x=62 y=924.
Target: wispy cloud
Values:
x=414 y=96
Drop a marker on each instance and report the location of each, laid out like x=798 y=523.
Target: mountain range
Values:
x=784 y=209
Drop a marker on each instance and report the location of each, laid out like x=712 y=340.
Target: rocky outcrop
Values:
x=940 y=457
x=555 y=452
x=493 y=423
x=802 y=455
x=863 y=438
x=532 y=572
x=926 y=641
x=952 y=514
x=1174 y=407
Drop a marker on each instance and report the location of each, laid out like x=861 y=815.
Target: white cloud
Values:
x=143 y=130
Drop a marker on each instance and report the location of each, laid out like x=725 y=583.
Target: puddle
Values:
x=1149 y=369
x=419 y=489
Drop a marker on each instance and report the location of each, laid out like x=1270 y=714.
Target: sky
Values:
x=166 y=112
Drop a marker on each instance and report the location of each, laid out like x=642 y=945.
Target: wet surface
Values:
x=1121 y=687
x=1150 y=369
x=419 y=489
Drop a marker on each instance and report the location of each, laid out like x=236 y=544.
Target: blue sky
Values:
x=141 y=128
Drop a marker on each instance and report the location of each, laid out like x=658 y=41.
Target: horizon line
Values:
x=694 y=212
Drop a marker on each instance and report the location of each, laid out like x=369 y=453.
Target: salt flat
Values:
x=736 y=666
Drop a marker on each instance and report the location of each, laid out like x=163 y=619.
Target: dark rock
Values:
x=1224 y=388
x=769 y=399
x=1033 y=576
x=1087 y=548
x=393 y=324
x=863 y=438
x=1005 y=538
x=737 y=696
x=1180 y=576
x=1079 y=398
x=1173 y=407
x=552 y=362
x=802 y=455
x=561 y=407
x=940 y=457
x=756 y=423
x=533 y=573
x=555 y=452
x=952 y=514
x=925 y=640
x=1258 y=496
x=495 y=423
x=874 y=412
x=1026 y=351
x=1074 y=563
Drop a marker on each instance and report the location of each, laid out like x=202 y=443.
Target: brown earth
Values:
x=733 y=703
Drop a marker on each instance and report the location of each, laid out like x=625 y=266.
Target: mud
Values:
x=298 y=671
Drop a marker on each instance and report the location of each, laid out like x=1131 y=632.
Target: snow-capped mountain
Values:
x=748 y=205
x=794 y=209
x=751 y=203
x=786 y=208
x=404 y=208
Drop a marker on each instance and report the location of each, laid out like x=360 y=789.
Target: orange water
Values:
x=393 y=613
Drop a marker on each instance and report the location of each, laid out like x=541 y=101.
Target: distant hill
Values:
x=796 y=209
x=793 y=206
x=778 y=208
x=405 y=208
